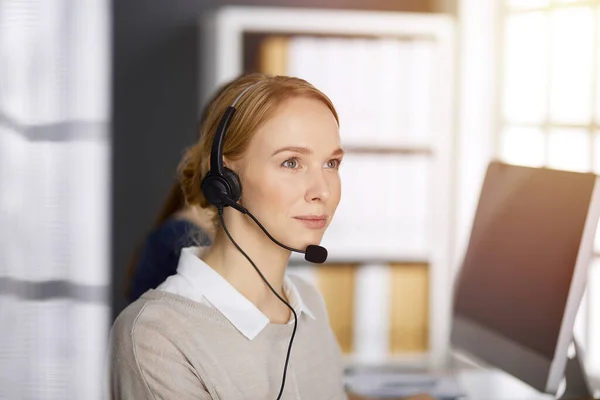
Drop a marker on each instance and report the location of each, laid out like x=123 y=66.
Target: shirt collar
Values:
x=201 y=281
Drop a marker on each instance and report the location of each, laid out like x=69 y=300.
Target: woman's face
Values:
x=290 y=178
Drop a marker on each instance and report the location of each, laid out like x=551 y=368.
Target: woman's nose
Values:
x=318 y=187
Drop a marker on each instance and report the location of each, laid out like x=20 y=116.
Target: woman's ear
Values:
x=236 y=166
x=227 y=164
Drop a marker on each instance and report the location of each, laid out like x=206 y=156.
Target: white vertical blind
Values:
x=54 y=198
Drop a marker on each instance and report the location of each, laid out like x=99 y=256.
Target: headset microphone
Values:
x=222 y=188
x=315 y=254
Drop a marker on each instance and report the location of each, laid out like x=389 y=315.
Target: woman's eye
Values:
x=335 y=163
x=290 y=163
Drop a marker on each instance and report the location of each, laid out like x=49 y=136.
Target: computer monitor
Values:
x=524 y=273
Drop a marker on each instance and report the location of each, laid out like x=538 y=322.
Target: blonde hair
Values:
x=253 y=110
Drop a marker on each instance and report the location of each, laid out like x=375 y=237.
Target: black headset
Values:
x=221 y=186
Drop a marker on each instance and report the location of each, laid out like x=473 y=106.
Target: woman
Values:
x=214 y=330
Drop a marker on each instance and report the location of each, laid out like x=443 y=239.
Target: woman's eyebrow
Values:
x=305 y=150
x=297 y=149
x=338 y=152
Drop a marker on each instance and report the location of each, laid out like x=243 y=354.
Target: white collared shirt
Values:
x=197 y=281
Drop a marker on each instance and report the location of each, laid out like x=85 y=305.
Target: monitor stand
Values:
x=577 y=383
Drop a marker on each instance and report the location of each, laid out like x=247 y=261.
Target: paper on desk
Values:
x=377 y=384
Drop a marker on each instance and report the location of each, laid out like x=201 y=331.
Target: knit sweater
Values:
x=166 y=346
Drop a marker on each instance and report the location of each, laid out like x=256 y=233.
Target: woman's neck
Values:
x=270 y=259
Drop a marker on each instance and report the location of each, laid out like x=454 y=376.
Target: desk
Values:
x=357 y=397
x=483 y=384
x=352 y=396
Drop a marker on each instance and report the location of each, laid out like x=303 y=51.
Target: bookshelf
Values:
x=387 y=281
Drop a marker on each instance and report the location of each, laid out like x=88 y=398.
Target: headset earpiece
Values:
x=221 y=190
x=235 y=186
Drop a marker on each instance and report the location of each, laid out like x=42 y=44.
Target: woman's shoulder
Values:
x=169 y=313
x=149 y=350
x=151 y=311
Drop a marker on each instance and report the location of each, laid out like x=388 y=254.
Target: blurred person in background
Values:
x=216 y=329
x=178 y=226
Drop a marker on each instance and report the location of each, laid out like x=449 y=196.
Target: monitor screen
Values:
x=519 y=265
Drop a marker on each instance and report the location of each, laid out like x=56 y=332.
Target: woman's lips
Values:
x=313 y=221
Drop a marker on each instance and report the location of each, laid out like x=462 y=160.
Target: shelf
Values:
x=258 y=34
x=399 y=150
x=297 y=260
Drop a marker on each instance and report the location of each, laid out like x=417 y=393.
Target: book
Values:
x=409 y=308
x=273 y=58
x=336 y=282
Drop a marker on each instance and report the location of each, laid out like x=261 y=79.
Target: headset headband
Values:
x=216 y=154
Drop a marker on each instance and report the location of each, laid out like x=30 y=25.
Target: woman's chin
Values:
x=308 y=240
